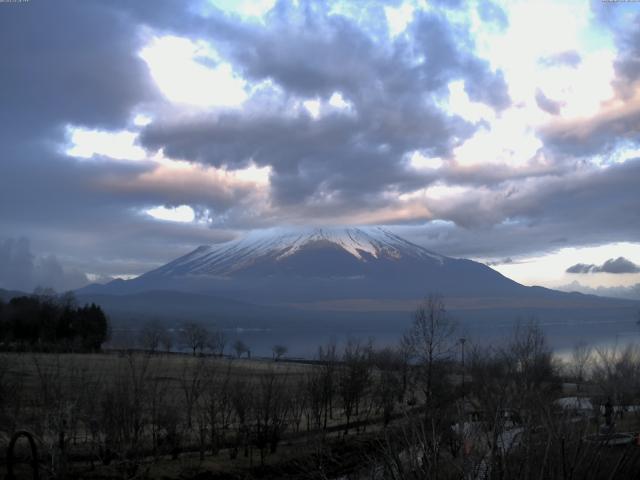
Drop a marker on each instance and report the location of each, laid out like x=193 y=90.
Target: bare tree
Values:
x=270 y=410
x=240 y=348
x=532 y=380
x=191 y=383
x=279 y=351
x=531 y=360
x=388 y=381
x=329 y=360
x=124 y=403
x=151 y=335
x=298 y=401
x=11 y=391
x=194 y=336
x=581 y=357
x=216 y=343
x=617 y=373
x=242 y=401
x=354 y=378
x=167 y=340
x=159 y=402
x=404 y=354
x=314 y=393
x=216 y=403
x=431 y=340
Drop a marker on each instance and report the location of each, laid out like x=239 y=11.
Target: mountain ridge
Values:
x=319 y=264
x=329 y=275
x=230 y=257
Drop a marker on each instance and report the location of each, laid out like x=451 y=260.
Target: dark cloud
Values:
x=546 y=104
x=338 y=154
x=631 y=292
x=581 y=268
x=601 y=134
x=613 y=265
x=504 y=261
x=94 y=207
x=448 y=56
x=623 y=22
x=628 y=64
x=77 y=63
x=392 y=89
x=491 y=12
x=584 y=207
x=449 y=3
x=618 y=121
x=618 y=265
x=22 y=270
x=68 y=62
x=311 y=51
x=569 y=58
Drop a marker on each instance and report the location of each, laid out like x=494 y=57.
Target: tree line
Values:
x=45 y=321
x=155 y=337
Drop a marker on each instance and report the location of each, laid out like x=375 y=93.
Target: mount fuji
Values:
x=320 y=264
x=336 y=273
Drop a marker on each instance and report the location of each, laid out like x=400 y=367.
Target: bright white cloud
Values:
x=337 y=101
x=550 y=270
x=419 y=161
x=460 y=104
x=245 y=8
x=183 y=213
x=252 y=173
x=582 y=89
x=313 y=107
x=625 y=154
x=518 y=50
x=174 y=66
x=141 y=120
x=436 y=192
x=212 y=189
x=398 y=18
x=510 y=140
x=120 y=145
x=318 y=108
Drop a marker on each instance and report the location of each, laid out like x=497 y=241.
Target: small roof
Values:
x=574 y=403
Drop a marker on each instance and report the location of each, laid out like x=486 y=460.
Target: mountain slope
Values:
x=324 y=265
x=337 y=281
x=282 y=253
x=320 y=264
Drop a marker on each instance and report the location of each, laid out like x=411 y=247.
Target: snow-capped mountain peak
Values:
x=278 y=245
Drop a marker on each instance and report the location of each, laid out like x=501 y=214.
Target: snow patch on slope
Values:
x=364 y=244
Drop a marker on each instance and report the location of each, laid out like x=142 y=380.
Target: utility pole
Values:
x=462 y=342
x=464 y=406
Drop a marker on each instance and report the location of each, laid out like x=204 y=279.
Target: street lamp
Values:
x=462 y=342
x=462 y=423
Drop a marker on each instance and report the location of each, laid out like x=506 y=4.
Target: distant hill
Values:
x=7 y=295
x=177 y=306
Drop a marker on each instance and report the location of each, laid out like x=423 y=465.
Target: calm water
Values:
x=562 y=335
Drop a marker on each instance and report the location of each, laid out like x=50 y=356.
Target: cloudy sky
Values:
x=507 y=132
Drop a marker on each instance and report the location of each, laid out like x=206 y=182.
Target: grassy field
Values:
x=363 y=414
x=174 y=415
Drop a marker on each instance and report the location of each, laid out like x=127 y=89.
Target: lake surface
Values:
x=562 y=335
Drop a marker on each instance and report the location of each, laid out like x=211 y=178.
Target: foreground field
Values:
x=130 y=414
x=407 y=413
